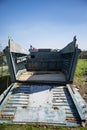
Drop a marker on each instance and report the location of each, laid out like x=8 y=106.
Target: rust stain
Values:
x=55 y=108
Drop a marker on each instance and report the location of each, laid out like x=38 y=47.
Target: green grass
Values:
x=37 y=127
x=4 y=71
x=81 y=68
x=81 y=73
x=3 y=66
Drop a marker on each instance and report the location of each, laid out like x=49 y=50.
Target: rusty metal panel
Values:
x=79 y=102
x=39 y=103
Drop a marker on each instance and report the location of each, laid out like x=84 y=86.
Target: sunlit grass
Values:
x=81 y=72
x=37 y=127
x=81 y=68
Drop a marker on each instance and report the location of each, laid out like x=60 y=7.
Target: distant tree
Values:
x=83 y=55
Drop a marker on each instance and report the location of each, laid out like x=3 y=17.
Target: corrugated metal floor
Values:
x=35 y=103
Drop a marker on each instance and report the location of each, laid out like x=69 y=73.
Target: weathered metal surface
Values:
x=79 y=102
x=39 y=103
x=42 y=77
x=42 y=60
x=14 y=47
x=50 y=104
x=64 y=60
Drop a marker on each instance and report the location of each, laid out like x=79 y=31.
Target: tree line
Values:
x=83 y=55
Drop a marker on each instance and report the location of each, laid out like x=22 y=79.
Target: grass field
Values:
x=4 y=70
x=81 y=68
x=80 y=77
x=37 y=127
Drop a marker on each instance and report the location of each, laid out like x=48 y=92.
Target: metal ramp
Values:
x=13 y=101
x=62 y=100
x=40 y=104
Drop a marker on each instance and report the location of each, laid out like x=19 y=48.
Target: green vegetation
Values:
x=80 y=77
x=3 y=66
x=81 y=67
x=37 y=127
x=4 y=71
x=5 y=81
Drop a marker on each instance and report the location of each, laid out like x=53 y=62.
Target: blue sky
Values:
x=43 y=23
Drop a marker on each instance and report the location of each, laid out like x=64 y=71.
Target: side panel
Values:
x=10 y=64
x=69 y=56
x=73 y=67
x=16 y=58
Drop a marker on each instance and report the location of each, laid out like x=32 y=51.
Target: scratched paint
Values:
x=39 y=103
